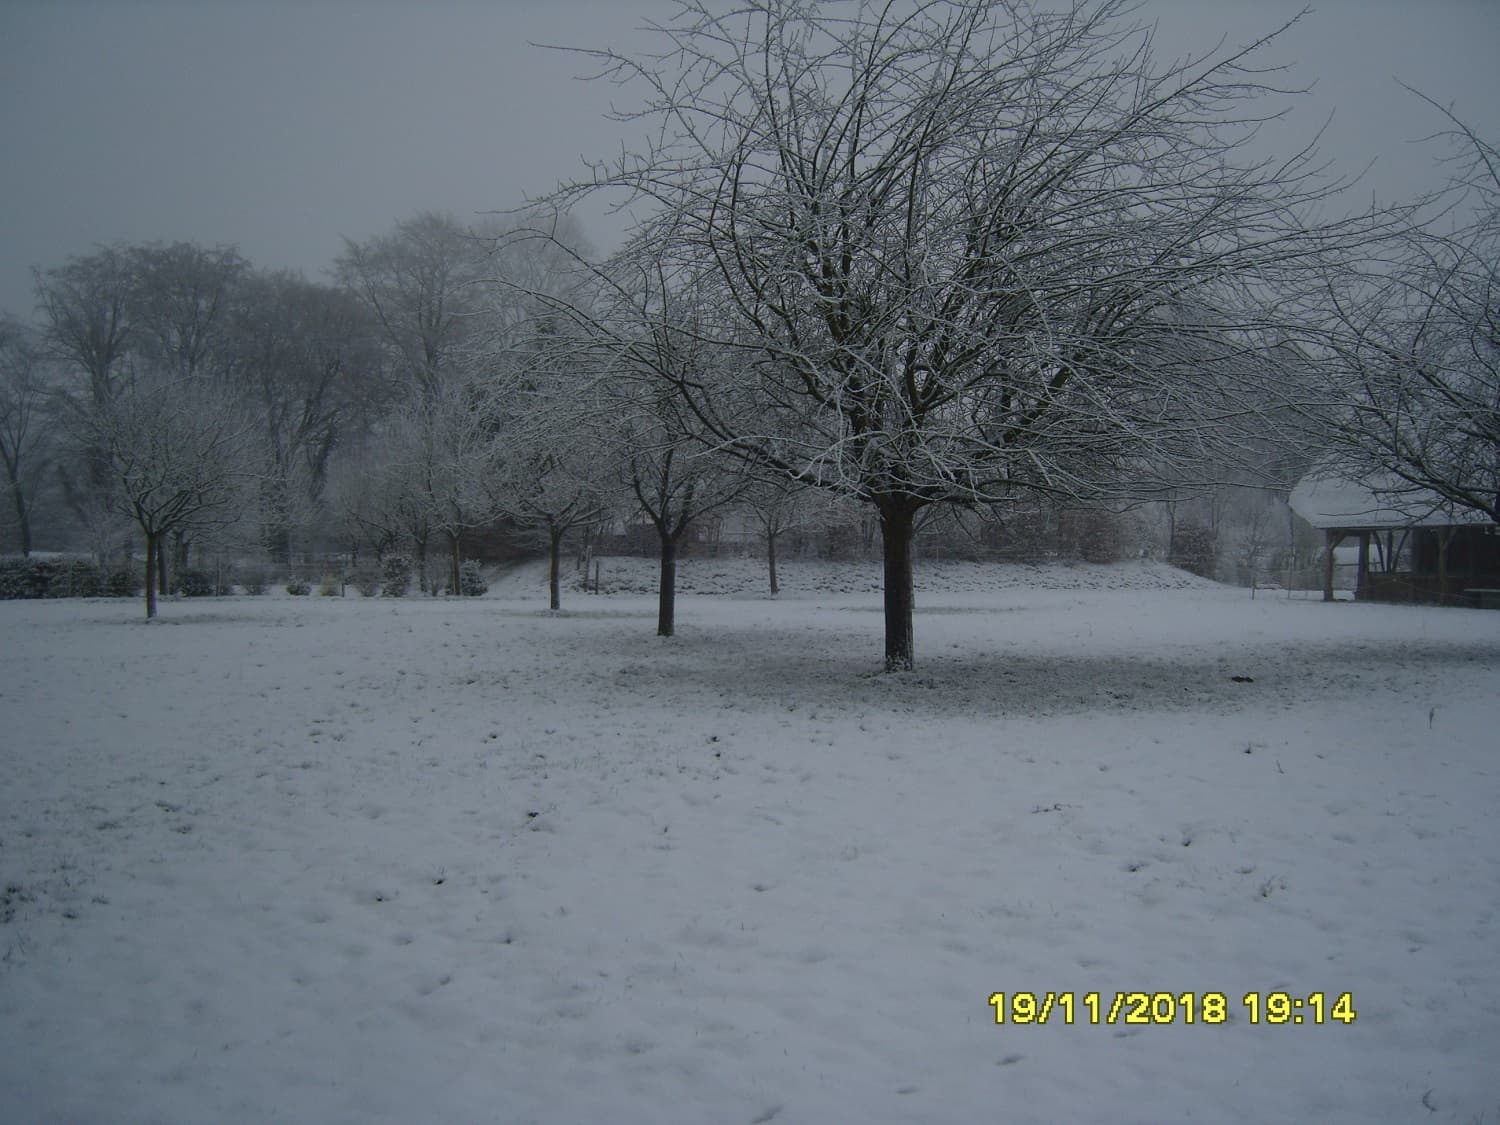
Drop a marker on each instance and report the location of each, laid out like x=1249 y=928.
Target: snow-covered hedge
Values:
x=49 y=578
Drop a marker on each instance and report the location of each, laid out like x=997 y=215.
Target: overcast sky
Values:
x=284 y=127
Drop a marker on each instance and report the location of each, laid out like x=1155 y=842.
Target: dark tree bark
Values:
x=153 y=552
x=771 y=560
x=898 y=515
x=23 y=515
x=555 y=534
x=666 y=598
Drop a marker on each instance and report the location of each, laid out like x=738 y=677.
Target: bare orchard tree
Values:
x=671 y=476
x=177 y=459
x=1417 y=361
x=955 y=239
x=561 y=472
x=439 y=473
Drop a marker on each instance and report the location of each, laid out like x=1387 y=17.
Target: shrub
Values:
x=254 y=582
x=367 y=584
x=471 y=583
x=48 y=578
x=123 y=583
x=1195 y=548
x=397 y=572
x=83 y=579
x=330 y=586
x=298 y=588
x=195 y=583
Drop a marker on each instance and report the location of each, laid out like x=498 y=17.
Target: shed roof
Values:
x=1328 y=500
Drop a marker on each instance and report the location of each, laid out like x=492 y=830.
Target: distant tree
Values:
x=86 y=309
x=24 y=442
x=956 y=239
x=308 y=371
x=780 y=506
x=182 y=302
x=673 y=478
x=86 y=305
x=419 y=281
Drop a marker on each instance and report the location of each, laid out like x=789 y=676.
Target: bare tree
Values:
x=86 y=305
x=962 y=242
x=304 y=361
x=24 y=445
x=1416 y=359
x=182 y=298
x=561 y=471
x=419 y=282
x=175 y=449
x=86 y=308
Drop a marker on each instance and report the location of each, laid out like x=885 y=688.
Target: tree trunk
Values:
x=771 y=561
x=666 y=598
x=554 y=565
x=23 y=516
x=897 y=526
x=153 y=551
x=455 y=577
x=161 y=566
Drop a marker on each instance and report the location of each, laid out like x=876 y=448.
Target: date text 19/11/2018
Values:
x=1156 y=1008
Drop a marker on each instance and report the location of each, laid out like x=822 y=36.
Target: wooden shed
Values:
x=1414 y=546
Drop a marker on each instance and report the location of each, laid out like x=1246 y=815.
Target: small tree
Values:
x=175 y=450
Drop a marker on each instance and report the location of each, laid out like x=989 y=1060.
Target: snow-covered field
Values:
x=318 y=860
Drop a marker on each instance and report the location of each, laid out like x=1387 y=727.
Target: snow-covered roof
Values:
x=1325 y=499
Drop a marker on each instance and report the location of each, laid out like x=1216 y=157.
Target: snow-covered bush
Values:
x=195 y=583
x=397 y=572
x=1195 y=548
x=48 y=578
x=330 y=586
x=298 y=588
x=253 y=582
x=367 y=584
x=471 y=583
x=122 y=583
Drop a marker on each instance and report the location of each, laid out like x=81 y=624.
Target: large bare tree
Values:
x=964 y=244
x=1415 y=360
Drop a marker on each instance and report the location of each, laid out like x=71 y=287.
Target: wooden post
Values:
x=1331 y=539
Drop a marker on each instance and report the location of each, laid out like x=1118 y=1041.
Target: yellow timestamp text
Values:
x=1025 y=1009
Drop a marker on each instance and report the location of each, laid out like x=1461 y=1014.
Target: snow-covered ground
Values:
x=319 y=860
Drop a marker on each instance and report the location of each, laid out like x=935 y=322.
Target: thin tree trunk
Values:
x=666 y=599
x=153 y=550
x=554 y=578
x=161 y=566
x=771 y=561
x=897 y=526
x=23 y=517
x=455 y=549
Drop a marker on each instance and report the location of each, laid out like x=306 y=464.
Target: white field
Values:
x=319 y=860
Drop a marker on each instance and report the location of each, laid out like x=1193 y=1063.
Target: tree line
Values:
x=929 y=256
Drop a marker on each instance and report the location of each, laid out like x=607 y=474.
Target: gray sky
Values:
x=282 y=127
